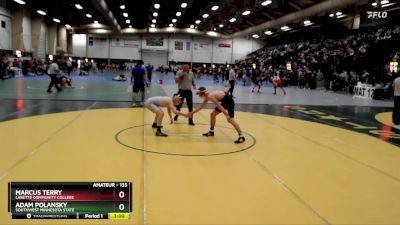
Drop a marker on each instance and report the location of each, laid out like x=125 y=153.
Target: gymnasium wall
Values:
x=5 y=33
x=170 y=47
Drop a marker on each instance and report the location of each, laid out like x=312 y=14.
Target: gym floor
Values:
x=310 y=157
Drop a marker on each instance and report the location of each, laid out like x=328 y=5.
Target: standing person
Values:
x=185 y=80
x=149 y=72
x=223 y=73
x=396 y=109
x=69 y=67
x=53 y=71
x=278 y=83
x=3 y=68
x=256 y=79
x=154 y=104
x=225 y=104
x=232 y=78
x=138 y=80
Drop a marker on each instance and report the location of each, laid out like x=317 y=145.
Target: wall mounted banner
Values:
x=224 y=45
x=179 y=45
x=201 y=46
x=121 y=42
x=97 y=41
x=155 y=41
x=188 y=46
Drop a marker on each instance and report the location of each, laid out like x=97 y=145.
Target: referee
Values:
x=185 y=80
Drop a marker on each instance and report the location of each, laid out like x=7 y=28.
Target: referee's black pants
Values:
x=188 y=95
x=396 y=111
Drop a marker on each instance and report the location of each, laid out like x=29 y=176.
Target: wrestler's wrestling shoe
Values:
x=161 y=134
x=155 y=126
x=209 y=134
x=241 y=139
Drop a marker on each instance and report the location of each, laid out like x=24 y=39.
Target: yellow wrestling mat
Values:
x=385 y=118
x=288 y=171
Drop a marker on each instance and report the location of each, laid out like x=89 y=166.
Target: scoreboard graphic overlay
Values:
x=70 y=200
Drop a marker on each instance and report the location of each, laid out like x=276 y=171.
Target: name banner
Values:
x=363 y=92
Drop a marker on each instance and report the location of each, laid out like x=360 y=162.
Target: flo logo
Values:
x=376 y=14
x=28 y=215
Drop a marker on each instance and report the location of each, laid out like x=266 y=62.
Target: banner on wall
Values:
x=97 y=41
x=188 y=46
x=155 y=41
x=224 y=45
x=201 y=46
x=179 y=45
x=129 y=43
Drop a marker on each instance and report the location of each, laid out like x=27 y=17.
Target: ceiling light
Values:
x=265 y=3
x=171 y=25
x=20 y=2
x=232 y=20
x=128 y=21
x=170 y=29
x=78 y=6
x=221 y=25
x=56 y=20
x=341 y=16
x=212 y=33
x=255 y=36
x=178 y=13
x=152 y=29
x=386 y=5
x=153 y=20
x=245 y=13
x=205 y=15
x=156 y=6
x=197 y=21
x=102 y=31
x=192 y=26
x=68 y=26
x=268 y=32
x=153 y=25
x=41 y=12
x=96 y=24
x=174 y=20
x=284 y=27
x=215 y=7
x=374 y=4
x=384 y=2
x=215 y=29
x=307 y=23
x=130 y=26
x=88 y=16
x=339 y=13
x=184 y=5
x=125 y=14
x=155 y=14
x=331 y=15
x=122 y=7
